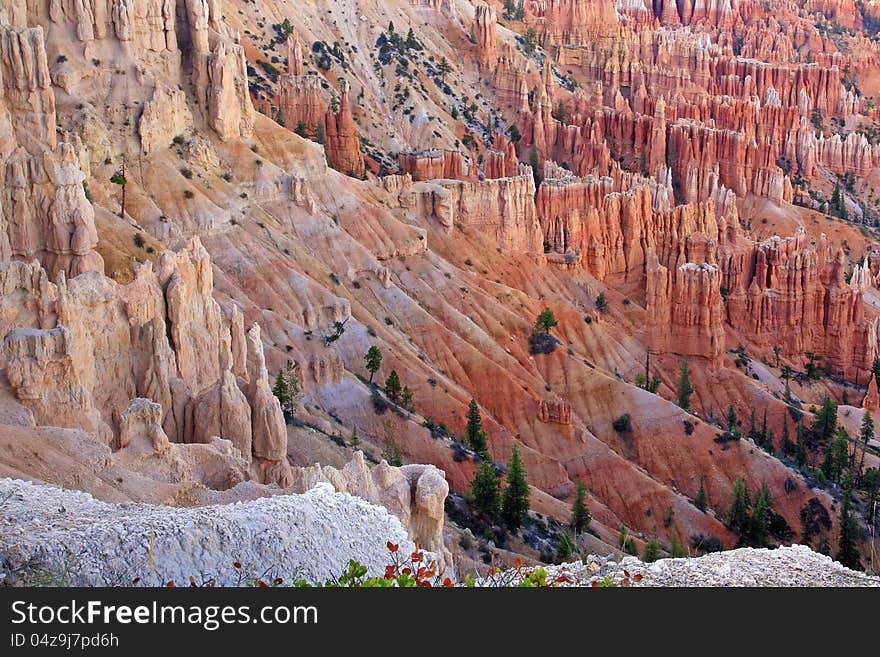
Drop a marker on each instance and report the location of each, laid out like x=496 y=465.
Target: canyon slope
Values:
x=201 y=197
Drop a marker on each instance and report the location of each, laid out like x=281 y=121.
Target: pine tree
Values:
x=676 y=550
x=486 y=489
x=580 y=514
x=444 y=68
x=828 y=461
x=280 y=390
x=761 y=515
x=515 y=504
x=732 y=420
x=875 y=370
x=701 y=501
x=566 y=546
x=473 y=431
x=355 y=439
x=406 y=398
x=373 y=360
x=392 y=452
x=841 y=454
x=866 y=433
x=800 y=448
x=753 y=427
x=651 y=551
x=847 y=547
x=788 y=447
x=320 y=133
x=685 y=389
x=546 y=320
x=559 y=114
x=601 y=302
x=302 y=129
x=392 y=386
x=825 y=423
x=740 y=504
x=763 y=439
x=838 y=202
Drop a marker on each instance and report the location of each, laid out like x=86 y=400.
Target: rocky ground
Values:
x=55 y=537
x=709 y=175
x=796 y=565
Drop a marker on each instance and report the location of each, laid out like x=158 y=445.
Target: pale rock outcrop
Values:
x=195 y=317
x=505 y=207
x=269 y=428
x=685 y=309
x=485 y=19
x=414 y=493
x=143 y=419
x=165 y=116
x=555 y=411
x=433 y=164
x=40 y=369
x=301 y=100
x=45 y=213
x=230 y=110
x=27 y=103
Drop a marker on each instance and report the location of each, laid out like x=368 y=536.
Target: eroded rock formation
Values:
x=343 y=146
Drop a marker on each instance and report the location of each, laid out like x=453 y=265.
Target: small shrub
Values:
x=178 y=140
x=139 y=241
x=542 y=343
x=188 y=193
x=688 y=427
x=623 y=424
x=186 y=173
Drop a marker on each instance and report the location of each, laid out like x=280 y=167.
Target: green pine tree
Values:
x=392 y=452
x=847 y=547
x=866 y=433
x=841 y=454
x=788 y=447
x=676 y=550
x=740 y=504
x=685 y=389
x=373 y=360
x=546 y=320
x=763 y=438
x=515 y=502
x=580 y=514
x=392 y=386
x=486 y=489
x=406 y=398
x=701 y=500
x=280 y=390
x=566 y=546
x=800 y=448
x=732 y=420
x=473 y=431
x=302 y=129
x=825 y=422
x=651 y=552
x=761 y=515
